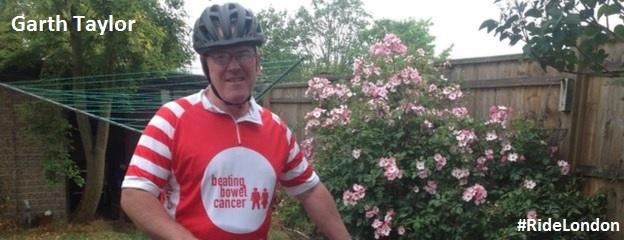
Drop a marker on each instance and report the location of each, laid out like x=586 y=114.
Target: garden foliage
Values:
x=405 y=160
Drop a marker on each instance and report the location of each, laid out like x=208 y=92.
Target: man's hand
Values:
x=150 y=216
x=321 y=208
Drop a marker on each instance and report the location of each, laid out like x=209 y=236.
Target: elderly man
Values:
x=204 y=155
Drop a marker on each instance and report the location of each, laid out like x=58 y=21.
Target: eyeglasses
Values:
x=224 y=58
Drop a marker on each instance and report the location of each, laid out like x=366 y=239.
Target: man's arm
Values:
x=150 y=216
x=321 y=208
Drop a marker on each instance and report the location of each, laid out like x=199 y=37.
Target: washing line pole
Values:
x=69 y=107
x=259 y=97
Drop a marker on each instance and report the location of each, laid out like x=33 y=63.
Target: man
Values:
x=205 y=153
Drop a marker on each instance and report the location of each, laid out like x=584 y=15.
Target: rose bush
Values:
x=405 y=160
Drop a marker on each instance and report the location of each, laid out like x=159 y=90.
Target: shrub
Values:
x=406 y=161
x=45 y=123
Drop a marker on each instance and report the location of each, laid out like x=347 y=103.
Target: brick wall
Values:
x=21 y=172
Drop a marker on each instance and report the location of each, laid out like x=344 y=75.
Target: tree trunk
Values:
x=95 y=153
x=96 y=159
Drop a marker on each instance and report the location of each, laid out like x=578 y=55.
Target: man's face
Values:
x=233 y=71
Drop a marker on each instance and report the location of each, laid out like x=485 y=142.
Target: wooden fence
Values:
x=588 y=127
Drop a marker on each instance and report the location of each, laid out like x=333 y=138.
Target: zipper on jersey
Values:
x=238 y=138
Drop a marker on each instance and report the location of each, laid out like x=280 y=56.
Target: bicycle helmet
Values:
x=227 y=24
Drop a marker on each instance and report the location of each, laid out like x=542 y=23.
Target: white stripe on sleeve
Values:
x=150 y=167
x=141 y=183
x=162 y=124
x=195 y=98
x=293 y=173
x=288 y=134
x=276 y=118
x=155 y=146
x=301 y=188
x=293 y=153
x=175 y=108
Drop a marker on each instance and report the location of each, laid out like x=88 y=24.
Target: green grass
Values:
x=100 y=229
x=62 y=231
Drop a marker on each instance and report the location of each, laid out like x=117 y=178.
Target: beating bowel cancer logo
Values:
x=237 y=188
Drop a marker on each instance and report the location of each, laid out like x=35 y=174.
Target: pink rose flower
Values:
x=532 y=214
x=356 y=153
x=529 y=184
x=477 y=193
x=401 y=230
x=564 y=167
x=440 y=161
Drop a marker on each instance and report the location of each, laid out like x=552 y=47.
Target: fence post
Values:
x=578 y=117
x=266 y=101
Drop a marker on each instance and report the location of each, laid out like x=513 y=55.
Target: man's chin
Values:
x=237 y=98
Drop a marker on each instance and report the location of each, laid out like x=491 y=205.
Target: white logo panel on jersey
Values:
x=237 y=188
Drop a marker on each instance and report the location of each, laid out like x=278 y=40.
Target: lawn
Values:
x=98 y=229
x=101 y=229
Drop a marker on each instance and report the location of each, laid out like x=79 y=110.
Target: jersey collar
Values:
x=252 y=116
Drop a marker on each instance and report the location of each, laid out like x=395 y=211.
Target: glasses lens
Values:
x=224 y=58
x=221 y=58
x=244 y=57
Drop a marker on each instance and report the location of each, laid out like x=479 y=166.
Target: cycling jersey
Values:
x=218 y=173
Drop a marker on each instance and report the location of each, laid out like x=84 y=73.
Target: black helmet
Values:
x=227 y=24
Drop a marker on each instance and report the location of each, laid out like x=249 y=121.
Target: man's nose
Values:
x=233 y=64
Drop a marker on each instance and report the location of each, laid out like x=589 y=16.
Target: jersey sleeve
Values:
x=150 y=166
x=298 y=175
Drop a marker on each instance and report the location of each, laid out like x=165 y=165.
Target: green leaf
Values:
x=504 y=35
x=591 y=30
x=510 y=21
x=513 y=39
x=573 y=19
x=619 y=32
x=601 y=38
x=489 y=24
x=533 y=12
x=608 y=10
x=587 y=13
x=589 y=3
x=531 y=27
x=553 y=10
x=569 y=6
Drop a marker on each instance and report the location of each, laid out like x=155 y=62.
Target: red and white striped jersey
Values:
x=218 y=173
